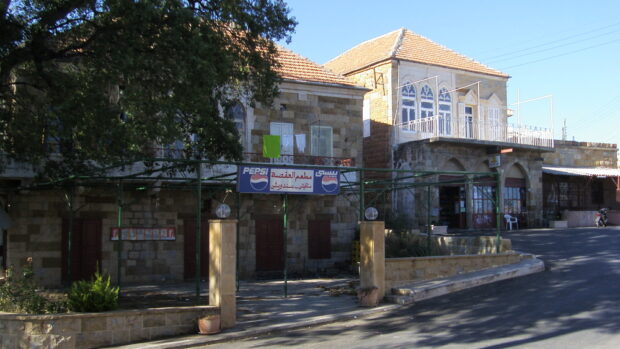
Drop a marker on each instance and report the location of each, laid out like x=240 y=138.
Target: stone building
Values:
x=431 y=108
x=318 y=113
x=578 y=178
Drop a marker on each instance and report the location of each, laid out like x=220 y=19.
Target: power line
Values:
x=560 y=55
x=553 y=41
x=548 y=48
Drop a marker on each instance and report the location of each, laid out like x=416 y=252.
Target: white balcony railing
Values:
x=468 y=128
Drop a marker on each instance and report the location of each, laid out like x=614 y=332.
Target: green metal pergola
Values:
x=177 y=175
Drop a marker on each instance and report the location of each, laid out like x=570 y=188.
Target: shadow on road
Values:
x=580 y=290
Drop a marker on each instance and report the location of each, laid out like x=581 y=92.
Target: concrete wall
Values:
x=401 y=271
x=93 y=330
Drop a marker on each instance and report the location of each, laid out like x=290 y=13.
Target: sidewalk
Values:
x=263 y=309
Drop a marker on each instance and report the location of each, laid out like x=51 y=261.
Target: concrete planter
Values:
x=558 y=224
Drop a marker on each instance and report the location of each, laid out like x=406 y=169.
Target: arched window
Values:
x=445 y=112
x=427 y=103
x=409 y=104
x=236 y=113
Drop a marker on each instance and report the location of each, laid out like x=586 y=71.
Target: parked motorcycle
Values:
x=600 y=218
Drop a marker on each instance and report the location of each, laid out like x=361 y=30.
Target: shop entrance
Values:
x=452 y=206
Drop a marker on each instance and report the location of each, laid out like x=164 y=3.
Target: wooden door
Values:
x=269 y=243
x=85 y=248
x=319 y=239
x=189 y=271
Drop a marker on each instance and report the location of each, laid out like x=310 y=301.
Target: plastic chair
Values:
x=510 y=220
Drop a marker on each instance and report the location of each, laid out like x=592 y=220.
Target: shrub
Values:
x=404 y=244
x=93 y=296
x=22 y=294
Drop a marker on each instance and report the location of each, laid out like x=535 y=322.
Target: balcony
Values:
x=300 y=160
x=468 y=129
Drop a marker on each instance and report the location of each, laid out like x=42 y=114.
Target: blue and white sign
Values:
x=274 y=180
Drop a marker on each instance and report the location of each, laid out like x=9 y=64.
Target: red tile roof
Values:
x=296 y=67
x=405 y=45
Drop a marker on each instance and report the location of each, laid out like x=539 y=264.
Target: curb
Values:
x=426 y=290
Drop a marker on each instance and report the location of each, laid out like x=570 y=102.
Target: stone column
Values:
x=222 y=268
x=372 y=256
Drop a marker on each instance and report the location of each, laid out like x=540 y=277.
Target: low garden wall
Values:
x=401 y=271
x=92 y=330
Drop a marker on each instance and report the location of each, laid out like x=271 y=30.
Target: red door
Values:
x=85 y=248
x=319 y=239
x=190 y=249
x=269 y=243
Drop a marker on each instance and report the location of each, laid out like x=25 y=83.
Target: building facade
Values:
x=432 y=109
x=318 y=116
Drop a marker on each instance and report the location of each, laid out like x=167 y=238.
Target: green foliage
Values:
x=22 y=295
x=100 y=81
x=404 y=244
x=400 y=242
x=93 y=296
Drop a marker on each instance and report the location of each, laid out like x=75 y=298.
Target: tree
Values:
x=103 y=81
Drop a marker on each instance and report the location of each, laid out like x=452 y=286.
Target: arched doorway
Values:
x=452 y=197
x=515 y=194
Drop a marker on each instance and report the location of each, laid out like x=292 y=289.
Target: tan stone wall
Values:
x=37 y=232
x=473 y=158
x=93 y=330
x=400 y=271
x=587 y=154
x=341 y=212
x=309 y=105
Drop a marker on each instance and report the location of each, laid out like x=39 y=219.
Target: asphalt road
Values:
x=575 y=303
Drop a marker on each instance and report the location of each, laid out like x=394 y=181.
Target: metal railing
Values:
x=301 y=160
x=468 y=128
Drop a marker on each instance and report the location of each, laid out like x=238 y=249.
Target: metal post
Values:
x=362 y=189
x=119 y=224
x=285 y=211
x=198 y=227
x=497 y=209
x=428 y=218
x=238 y=204
x=70 y=203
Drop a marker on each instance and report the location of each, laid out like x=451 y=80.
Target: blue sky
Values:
x=569 y=49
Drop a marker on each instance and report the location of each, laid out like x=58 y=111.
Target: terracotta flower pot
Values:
x=209 y=324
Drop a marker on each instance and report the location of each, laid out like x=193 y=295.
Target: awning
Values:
x=582 y=171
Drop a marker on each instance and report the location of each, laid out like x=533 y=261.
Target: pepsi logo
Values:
x=259 y=181
x=329 y=183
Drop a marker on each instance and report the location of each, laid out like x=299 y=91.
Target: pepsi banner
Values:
x=273 y=180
